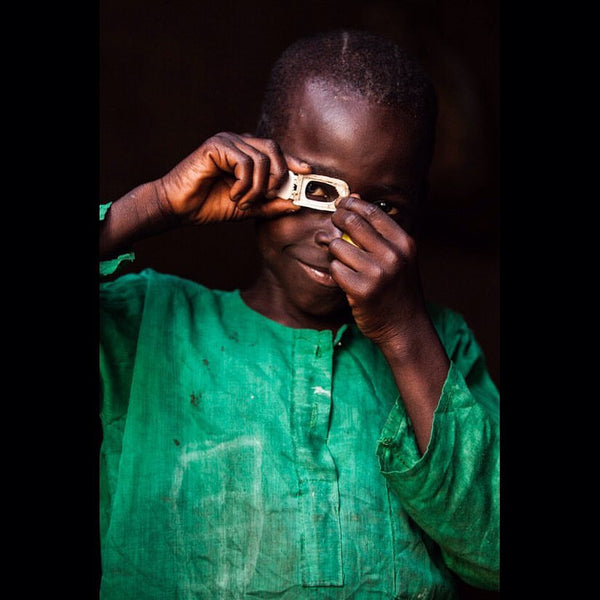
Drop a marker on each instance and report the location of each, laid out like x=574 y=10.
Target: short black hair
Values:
x=359 y=62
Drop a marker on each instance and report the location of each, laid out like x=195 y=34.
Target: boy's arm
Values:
x=229 y=177
x=139 y=214
x=452 y=490
x=440 y=447
x=379 y=274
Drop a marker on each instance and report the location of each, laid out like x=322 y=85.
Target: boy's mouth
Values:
x=318 y=274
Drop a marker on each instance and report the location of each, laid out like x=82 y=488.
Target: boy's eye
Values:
x=387 y=208
x=321 y=191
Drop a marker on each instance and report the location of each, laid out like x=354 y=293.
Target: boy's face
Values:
x=375 y=150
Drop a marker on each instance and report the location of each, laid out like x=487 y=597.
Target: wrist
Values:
x=164 y=215
x=408 y=342
x=419 y=364
x=139 y=214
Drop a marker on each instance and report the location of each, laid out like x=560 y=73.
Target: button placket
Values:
x=320 y=537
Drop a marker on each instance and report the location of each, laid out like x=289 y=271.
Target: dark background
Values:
x=173 y=73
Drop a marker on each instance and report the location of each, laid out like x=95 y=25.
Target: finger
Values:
x=277 y=163
x=290 y=163
x=353 y=283
x=261 y=173
x=228 y=158
x=282 y=188
x=361 y=233
x=354 y=257
x=386 y=227
x=280 y=163
x=297 y=165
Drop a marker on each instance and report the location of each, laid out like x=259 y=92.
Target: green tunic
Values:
x=245 y=459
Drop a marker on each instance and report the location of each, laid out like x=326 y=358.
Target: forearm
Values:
x=420 y=366
x=452 y=491
x=141 y=213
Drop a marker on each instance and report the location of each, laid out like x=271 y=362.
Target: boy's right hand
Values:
x=229 y=177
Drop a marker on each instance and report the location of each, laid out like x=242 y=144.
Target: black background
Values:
x=173 y=73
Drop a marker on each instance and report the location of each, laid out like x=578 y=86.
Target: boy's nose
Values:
x=326 y=230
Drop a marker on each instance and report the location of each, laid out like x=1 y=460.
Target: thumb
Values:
x=297 y=165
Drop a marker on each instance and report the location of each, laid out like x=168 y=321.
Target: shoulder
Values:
x=152 y=281
x=462 y=346
x=445 y=319
x=151 y=288
x=451 y=326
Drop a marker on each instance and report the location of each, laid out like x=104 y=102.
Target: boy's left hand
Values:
x=379 y=274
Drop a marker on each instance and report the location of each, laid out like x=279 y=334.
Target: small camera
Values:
x=313 y=191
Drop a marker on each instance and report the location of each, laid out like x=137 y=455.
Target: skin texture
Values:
x=229 y=177
x=376 y=150
x=311 y=277
x=372 y=149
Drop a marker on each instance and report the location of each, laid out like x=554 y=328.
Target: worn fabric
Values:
x=245 y=459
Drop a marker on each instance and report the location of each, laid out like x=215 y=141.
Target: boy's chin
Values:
x=333 y=308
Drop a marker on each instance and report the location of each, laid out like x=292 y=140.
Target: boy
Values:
x=324 y=433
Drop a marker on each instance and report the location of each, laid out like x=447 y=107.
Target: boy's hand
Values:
x=382 y=284
x=378 y=271
x=229 y=177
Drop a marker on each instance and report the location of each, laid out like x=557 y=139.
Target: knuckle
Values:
x=411 y=246
x=271 y=145
x=213 y=142
x=223 y=135
x=352 y=220
x=337 y=218
x=245 y=161
x=376 y=271
x=371 y=210
x=364 y=290
x=392 y=259
x=262 y=161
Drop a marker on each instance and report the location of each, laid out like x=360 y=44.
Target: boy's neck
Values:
x=270 y=301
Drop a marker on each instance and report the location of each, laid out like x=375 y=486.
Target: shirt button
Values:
x=386 y=441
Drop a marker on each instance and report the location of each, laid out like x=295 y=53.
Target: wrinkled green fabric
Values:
x=245 y=459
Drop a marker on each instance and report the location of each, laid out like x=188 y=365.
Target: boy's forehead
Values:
x=332 y=125
x=327 y=106
x=323 y=112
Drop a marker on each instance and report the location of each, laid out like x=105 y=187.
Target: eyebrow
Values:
x=318 y=169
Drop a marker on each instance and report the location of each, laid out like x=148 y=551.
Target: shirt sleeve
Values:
x=110 y=266
x=452 y=490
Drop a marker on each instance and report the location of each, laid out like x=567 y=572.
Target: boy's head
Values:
x=355 y=63
x=354 y=107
